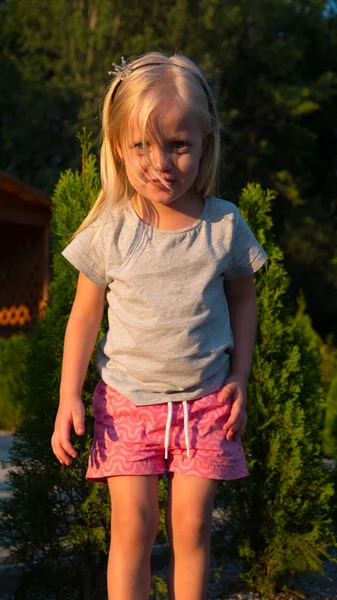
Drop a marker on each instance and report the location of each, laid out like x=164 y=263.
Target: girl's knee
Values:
x=190 y=530
x=135 y=528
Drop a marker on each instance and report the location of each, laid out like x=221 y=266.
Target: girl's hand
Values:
x=235 y=388
x=68 y=414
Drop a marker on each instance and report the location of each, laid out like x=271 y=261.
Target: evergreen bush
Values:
x=56 y=523
x=330 y=442
x=277 y=520
x=12 y=365
x=325 y=348
x=330 y=423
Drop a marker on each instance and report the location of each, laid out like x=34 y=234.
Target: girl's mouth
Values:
x=168 y=182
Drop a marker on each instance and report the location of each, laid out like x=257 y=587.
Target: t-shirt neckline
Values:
x=194 y=225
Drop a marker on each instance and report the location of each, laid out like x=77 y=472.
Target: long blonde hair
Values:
x=146 y=87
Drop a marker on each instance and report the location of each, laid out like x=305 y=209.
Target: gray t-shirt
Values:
x=169 y=334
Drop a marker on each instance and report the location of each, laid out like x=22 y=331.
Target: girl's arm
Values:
x=241 y=299
x=81 y=333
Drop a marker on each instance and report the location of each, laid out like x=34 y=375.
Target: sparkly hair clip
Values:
x=121 y=72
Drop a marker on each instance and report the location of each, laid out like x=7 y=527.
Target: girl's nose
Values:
x=161 y=159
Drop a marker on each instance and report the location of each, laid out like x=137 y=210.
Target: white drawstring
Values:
x=168 y=427
x=187 y=439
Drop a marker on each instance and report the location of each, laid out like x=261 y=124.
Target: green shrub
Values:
x=330 y=423
x=278 y=519
x=12 y=367
x=55 y=522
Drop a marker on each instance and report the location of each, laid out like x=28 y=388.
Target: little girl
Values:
x=176 y=265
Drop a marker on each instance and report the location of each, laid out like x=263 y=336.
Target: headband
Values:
x=123 y=71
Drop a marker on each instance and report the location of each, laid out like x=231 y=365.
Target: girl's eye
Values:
x=179 y=144
x=176 y=145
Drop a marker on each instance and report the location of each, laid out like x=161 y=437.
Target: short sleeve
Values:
x=87 y=253
x=247 y=256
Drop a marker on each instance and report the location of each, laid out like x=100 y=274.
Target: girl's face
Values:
x=175 y=152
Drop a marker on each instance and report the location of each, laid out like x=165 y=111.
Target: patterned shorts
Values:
x=131 y=440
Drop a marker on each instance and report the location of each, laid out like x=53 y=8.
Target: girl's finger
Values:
x=240 y=429
x=226 y=393
x=235 y=425
x=233 y=433
x=78 y=421
x=230 y=423
x=63 y=457
x=68 y=448
x=59 y=452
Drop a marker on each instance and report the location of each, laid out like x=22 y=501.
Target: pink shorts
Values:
x=130 y=440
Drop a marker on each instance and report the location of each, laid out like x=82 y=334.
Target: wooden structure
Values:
x=25 y=214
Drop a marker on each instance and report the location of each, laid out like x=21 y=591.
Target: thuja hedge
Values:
x=278 y=521
x=12 y=365
x=275 y=522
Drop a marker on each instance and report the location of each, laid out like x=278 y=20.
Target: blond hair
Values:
x=143 y=90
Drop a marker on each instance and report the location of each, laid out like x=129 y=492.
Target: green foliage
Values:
x=12 y=366
x=327 y=356
x=55 y=522
x=158 y=588
x=330 y=424
x=279 y=517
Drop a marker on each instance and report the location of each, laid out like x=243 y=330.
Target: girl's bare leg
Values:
x=189 y=523
x=134 y=525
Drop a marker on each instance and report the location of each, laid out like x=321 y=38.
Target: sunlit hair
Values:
x=175 y=80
